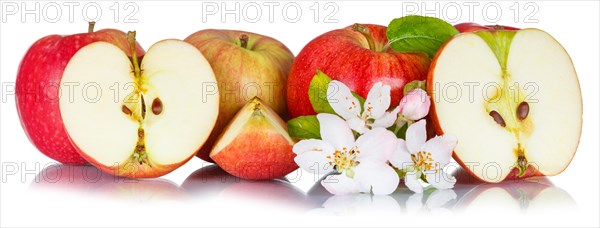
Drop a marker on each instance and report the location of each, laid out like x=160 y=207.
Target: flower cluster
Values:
x=360 y=147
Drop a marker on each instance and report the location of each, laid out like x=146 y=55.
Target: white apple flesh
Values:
x=516 y=105
x=162 y=113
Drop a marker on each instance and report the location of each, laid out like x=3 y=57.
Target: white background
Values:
x=177 y=199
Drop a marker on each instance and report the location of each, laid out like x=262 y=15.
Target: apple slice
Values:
x=139 y=121
x=255 y=144
x=512 y=99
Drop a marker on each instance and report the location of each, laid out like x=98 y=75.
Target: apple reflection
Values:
x=532 y=195
x=87 y=180
x=211 y=182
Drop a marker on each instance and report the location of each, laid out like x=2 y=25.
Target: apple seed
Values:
x=126 y=110
x=143 y=108
x=523 y=110
x=157 y=106
x=499 y=120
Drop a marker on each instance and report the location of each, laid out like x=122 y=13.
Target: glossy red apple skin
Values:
x=345 y=55
x=473 y=27
x=37 y=90
x=261 y=149
x=531 y=170
x=264 y=62
x=260 y=154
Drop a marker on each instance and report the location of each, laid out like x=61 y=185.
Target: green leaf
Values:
x=317 y=93
x=304 y=127
x=416 y=33
x=416 y=84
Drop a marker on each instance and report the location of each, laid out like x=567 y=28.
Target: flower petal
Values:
x=401 y=157
x=377 y=177
x=439 y=197
x=312 y=156
x=335 y=131
x=342 y=101
x=441 y=148
x=440 y=180
x=358 y=125
x=340 y=184
x=412 y=182
x=388 y=119
x=377 y=144
x=416 y=134
x=415 y=104
x=315 y=145
x=378 y=100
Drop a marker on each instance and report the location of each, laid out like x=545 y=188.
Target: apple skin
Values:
x=473 y=27
x=259 y=150
x=37 y=91
x=530 y=172
x=345 y=55
x=260 y=154
x=239 y=71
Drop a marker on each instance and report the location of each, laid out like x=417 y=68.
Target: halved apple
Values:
x=255 y=144
x=512 y=99
x=139 y=120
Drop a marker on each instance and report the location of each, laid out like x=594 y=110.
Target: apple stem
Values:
x=364 y=30
x=386 y=47
x=244 y=40
x=91 y=25
x=133 y=47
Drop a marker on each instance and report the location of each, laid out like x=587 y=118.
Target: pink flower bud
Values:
x=415 y=104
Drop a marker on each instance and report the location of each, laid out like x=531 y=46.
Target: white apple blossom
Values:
x=373 y=113
x=418 y=157
x=362 y=165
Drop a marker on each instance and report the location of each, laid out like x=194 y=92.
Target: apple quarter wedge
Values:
x=512 y=99
x=139 y=121
x=255 y=144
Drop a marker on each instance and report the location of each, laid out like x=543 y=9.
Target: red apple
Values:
x=246 y=65
x=520 y=113
x=472 y=27
x=37 y=89
x=161 y=113
x=255 y=145
x=357 y=56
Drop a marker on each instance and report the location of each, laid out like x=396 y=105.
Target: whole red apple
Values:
x=246 y=65
x=357 y=56
x=38 y=89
